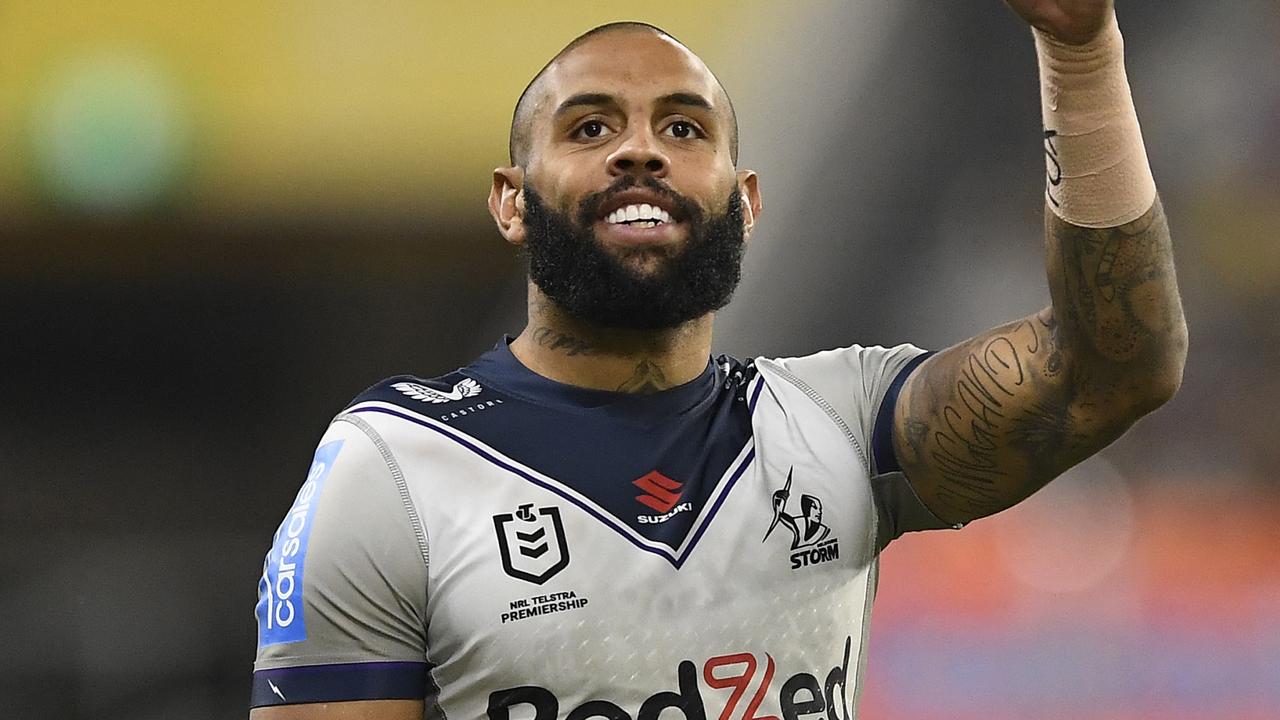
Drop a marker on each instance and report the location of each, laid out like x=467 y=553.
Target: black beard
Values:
x=572 y=267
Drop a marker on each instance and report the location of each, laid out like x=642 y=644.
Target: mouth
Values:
x=641 y=205
x=638 y=215
x=641 y=216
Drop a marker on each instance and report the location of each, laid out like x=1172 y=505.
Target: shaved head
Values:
x=520 y=142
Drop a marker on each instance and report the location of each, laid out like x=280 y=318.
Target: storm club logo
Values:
x=811 y=541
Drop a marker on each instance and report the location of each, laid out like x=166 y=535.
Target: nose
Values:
x=639 y=154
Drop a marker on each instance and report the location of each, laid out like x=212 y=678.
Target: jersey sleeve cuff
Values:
x=885 y=459
x=340 y=682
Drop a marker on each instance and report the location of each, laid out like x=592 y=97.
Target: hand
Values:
x=1074 y=22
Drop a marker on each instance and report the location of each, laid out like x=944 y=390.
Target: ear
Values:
x=752 y=204
x=506 y=203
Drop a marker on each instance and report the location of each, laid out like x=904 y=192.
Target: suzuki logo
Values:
x=661 y=492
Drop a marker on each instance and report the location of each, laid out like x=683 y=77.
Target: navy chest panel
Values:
x=654 y=468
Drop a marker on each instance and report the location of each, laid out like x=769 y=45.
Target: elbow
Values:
x=1162 y=379
x=1161 y=390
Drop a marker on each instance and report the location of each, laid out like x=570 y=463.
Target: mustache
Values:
x=589 y=209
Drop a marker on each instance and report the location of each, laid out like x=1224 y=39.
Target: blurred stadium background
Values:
x=220 y=221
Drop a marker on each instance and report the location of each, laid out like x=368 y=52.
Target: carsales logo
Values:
x=279 y=609
x=748 y=678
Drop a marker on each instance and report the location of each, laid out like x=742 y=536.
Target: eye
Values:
x=683 y=129
x=591 y=129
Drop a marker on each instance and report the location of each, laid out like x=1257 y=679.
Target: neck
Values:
x=574 y=352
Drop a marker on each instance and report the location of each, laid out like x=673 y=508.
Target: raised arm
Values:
x=984 y=424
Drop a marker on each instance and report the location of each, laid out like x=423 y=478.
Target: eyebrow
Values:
x=685 y=98
x=596 y=99
x=584 y=99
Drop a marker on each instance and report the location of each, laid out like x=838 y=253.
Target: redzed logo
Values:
x=661 y=492
x=748 y=677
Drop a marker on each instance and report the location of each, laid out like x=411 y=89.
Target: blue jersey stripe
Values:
x=886 y=459
x=341 y=682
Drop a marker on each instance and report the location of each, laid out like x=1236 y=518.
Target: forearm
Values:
x=1117 y=312
x=1109 y=256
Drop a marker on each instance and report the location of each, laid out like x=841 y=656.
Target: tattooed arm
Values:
x=984 y=424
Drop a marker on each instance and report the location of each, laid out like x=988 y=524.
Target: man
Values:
x=582 y=522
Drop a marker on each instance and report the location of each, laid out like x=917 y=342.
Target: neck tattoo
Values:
x=557 y=341
x=647 y=378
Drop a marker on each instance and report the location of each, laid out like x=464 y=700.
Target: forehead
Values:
x=632 y=65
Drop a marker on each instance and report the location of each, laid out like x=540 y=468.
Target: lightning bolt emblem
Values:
x=276 y=690
x=779 y=504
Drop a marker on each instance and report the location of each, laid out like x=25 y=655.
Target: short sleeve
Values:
x=862 y=384
x=342 y=598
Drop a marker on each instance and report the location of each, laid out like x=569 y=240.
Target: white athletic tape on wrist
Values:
x=1096 y=163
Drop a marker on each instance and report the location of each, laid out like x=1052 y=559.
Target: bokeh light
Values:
x=110 y=132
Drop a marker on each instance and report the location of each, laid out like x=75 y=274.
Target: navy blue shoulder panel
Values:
x=652 y=462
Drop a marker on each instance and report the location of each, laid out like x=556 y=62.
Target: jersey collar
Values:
x=500 y=368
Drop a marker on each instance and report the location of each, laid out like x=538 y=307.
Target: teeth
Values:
x=642 y=215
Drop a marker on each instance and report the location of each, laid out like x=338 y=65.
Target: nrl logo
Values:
x=464 y=389
x=532 y=543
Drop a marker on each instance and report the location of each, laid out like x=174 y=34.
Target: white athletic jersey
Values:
x=508 y=547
